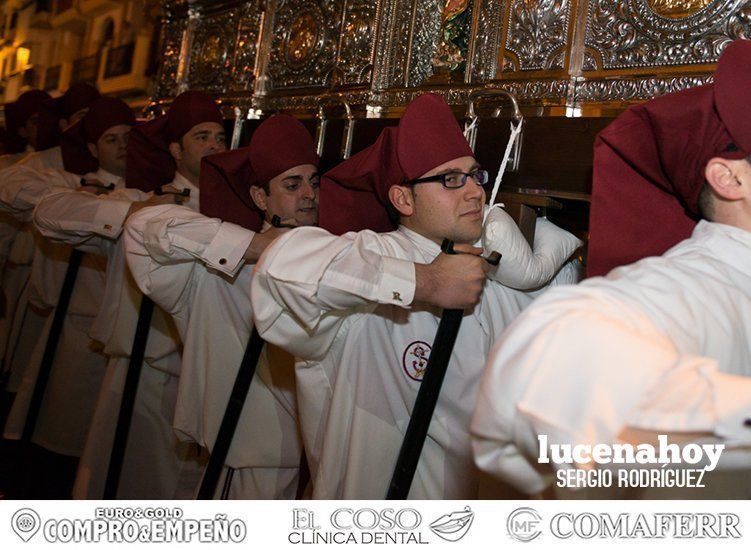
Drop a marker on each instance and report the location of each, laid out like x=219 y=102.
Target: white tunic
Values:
x=342 y=304
x=19 y=327
x=153 y=461
x=79 y=364
x=658 y=345
x=16 y=248
x=22 y=327
x=193 y=267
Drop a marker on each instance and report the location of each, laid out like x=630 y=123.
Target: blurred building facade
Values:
x=51 y=44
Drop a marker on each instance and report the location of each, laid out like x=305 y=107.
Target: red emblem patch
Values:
x=415 y=359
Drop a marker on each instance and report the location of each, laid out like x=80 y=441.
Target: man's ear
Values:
x=720 y=174
x=176 y=151
x=258 y=195
x=402 y=199
x=93 y=150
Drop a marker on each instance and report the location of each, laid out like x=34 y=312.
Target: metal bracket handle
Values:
x=349 y=127
x=515 y=156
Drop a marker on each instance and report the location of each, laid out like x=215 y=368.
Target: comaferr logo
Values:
x=697 y=525
x=415 y=360
x=524 y=524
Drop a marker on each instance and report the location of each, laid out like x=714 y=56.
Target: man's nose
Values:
x=309 y=191
x=218 y=144
x=473 y=189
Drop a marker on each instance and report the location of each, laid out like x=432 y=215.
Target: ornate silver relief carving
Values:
x=537 y=33
x=399 y=52
x=246 y=48
x=303 y=50
x=590 y=63
x=631 y=33
x=633 y=89
x=309 y=45
x=529 y=91
x=425 y=36
x=355 y=57
x=212 y=54
x=310 y=102
x=486 y=40
x=382 y=50
x=509 y=63
x=166 y=80
x=532 y=90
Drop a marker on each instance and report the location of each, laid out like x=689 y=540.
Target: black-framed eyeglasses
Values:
x=454 y=180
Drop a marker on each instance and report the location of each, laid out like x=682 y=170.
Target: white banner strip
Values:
x=439 y=524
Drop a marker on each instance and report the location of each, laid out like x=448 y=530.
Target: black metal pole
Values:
x=427 y=398
x=231 y=416
x=45 y=368
x=128 y=400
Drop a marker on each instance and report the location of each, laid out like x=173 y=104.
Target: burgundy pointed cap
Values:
x=224 y=189
x=279 y=143
x=649 y=163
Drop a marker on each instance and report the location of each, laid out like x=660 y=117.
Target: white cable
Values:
x=468 y=127
x=515 y=131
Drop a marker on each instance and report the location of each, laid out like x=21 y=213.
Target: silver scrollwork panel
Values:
x=304 y=44
x=426 y=26
x=537 y=33
x=485 y=39
x=635 y=89
x=625 y=34
x=355 y=57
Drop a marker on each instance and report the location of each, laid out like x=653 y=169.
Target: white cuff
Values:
x=732 y=395
x=398 y=281
x=227 y=249
x=110 y=217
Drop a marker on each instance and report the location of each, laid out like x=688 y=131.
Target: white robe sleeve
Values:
x=580 y=369
x=165 y=244
x=308 y=280
x=23 y=187
x=523 y=267
x=48 y=159
x=85 y=220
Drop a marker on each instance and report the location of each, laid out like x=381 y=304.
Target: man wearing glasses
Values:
x=361 y=310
